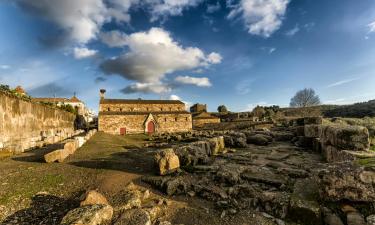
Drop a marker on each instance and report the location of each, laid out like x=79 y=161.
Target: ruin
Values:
x=134 y=116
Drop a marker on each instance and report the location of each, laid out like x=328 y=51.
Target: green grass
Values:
x=369 y=162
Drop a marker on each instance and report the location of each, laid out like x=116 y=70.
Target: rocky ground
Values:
x=258 y=178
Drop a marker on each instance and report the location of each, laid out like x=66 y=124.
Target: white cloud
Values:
x=371 y=27
x=164 y=8
x=154 y=54
x=261 y=17
x=114 y=38
x=214 y=7
x=198 y=81
x=341 y=82
x=156 y=88
x=4 y=67
x=244 y=87
x=80 y=53
x=174 y=97
x=292 y=32
x=80 y=19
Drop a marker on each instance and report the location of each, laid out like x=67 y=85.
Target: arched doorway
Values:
x=151 y=127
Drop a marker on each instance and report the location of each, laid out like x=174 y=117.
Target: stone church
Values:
x=135 y=116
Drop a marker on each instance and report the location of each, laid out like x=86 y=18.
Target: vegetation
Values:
x=222 y=109
x=305 y=98
x=358 y=110
x=14 y=93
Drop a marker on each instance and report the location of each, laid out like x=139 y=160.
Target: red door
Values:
x=150 y=127
x=122 y=131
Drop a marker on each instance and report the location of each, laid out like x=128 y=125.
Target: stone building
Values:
x=201 y=116
x=134 y=116
x=200 y=119
x=76 y=103
x=198 y=108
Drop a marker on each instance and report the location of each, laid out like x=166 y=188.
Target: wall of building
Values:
x=25 y=125
x=200 y=122
x=141 y=107
x=165 y=122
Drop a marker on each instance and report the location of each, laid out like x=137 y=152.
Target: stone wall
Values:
x=25 y=125
x=200 y=122
x=135 y=123
x=140 y=107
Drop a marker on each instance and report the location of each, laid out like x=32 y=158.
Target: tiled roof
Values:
x=138 y=101
x=204 y=115
x=74 y=99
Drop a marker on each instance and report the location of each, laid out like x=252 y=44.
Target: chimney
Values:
x=102 y=92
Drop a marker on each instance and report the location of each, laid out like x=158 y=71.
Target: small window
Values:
x=187 y=119
x=165 y=119
x=161 y=109
x=120 y=109
x=175 y=119
x=170 y=108
x=147 y=109
x=109 y=109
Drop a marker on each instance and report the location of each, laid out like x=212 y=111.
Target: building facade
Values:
x=134 y=116
x=198 y=108
x=200 y=119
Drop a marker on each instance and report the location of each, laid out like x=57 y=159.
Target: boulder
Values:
x=370 y=219
x=346 y=181
x=259 y=139
x=133 y=217
x=355 y=218
x=56 y=156
x=304 y=207
x=93 y=198
x=88 y=215
x=167 y=161
x=217 y=145
x=330 y=218
x=354 y=138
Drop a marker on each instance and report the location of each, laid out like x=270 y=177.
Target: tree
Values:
x=305 y=98
x=222 y=109
x=259 y=112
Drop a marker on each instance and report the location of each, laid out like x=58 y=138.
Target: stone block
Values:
x=57 y=155
x=312 y=131
x=93 y=198
x=71 y=146
x=80 y=140
x=313 y=120
x=167 y=161
x=88 y=215
x=217 y=145
x=346 y=137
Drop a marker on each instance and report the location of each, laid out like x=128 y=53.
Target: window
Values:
x=175 y=119
x=147 y=109
x=109 y=109
x=187 y=119
x=161 y=109
x=120 y=109
x=165 y=119
x=170 y=108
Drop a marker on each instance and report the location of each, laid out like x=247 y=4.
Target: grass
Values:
x=369 y=162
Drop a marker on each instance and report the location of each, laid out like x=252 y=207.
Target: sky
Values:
x=240 y=53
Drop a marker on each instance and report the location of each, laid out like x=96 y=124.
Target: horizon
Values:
x=239 y=54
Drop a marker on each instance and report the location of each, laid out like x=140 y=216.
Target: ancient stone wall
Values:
x=200 y=122
x=25 y=125
x=135 y=123
x=140 y=107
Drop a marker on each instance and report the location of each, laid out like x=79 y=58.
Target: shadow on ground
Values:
x=44 y=209
x=138 y=161
x=37 y=155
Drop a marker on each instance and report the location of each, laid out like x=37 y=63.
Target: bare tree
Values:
x=305 y=98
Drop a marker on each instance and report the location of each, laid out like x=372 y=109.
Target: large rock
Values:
x=346 y=137
x=344 y=181
x=88 y=215
x=259 y=139
x=304 y=207
x=56 y=156
x=134 y=217
x=167 y=161
x=217 y=145
x=313 y=120
x=80 y=141
x=93 y=198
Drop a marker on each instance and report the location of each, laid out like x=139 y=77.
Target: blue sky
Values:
x=240 y=53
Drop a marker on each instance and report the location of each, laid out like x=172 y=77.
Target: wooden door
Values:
x=122 y=131
x=150 y=127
